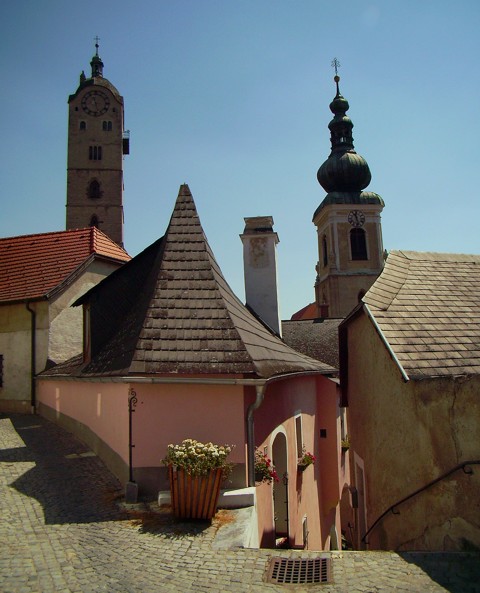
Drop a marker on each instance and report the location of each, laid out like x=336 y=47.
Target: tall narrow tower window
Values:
x=94 y=190
x=95 y=153
x=358 y=244
x=324 y=250
x=83 y=125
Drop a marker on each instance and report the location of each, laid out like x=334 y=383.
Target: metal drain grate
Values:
x=300 y=571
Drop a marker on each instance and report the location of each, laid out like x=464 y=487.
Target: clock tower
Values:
x=348 y=221
x=96 y=145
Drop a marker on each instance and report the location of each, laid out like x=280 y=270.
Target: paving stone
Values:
x=63 y=531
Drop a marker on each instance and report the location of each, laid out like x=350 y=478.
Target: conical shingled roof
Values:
x=173 y=312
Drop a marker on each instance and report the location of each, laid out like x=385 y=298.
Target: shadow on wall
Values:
x=69 y=481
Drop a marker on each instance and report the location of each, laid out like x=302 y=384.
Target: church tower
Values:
x=348 y=221
x=96 y=145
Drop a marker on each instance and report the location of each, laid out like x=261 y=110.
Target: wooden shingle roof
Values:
x=33 y=266
x=170 y=310
x=427 y=305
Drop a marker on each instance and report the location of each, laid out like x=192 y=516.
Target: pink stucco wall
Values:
x=316 y=400
x=170 y=413
x=164 y=414
x=102 y=407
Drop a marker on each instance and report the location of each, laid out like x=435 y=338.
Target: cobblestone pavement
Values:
x=63 y=530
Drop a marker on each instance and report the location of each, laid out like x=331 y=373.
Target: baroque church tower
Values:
x=348 y=221
x=96 y=145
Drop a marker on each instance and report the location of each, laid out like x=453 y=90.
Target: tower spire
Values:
x=96 y=63
x=344 y=170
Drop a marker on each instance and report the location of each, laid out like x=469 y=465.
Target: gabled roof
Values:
x=33 y=266
x=170 y=311
x=427 y=305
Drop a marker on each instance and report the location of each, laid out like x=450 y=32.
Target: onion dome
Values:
x=344 y=170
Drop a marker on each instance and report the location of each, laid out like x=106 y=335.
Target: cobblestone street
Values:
x=63 y=530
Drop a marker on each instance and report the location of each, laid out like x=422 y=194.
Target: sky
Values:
x=232 y=98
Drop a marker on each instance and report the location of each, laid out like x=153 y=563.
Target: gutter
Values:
x=33 y=356
x=405 y=377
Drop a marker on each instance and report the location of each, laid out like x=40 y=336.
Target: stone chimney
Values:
x=260 y=268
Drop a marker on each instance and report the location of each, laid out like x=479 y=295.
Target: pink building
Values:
x=166 y=336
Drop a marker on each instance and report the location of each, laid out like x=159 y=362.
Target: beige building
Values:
x=97 y=143
x=410 y=375
x=40 y=276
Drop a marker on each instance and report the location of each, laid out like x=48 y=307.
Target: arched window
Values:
x=83 y=125
x=94 y=221
x=107 y=126
x=358 y=244
x=324 y=250
x=94 y=190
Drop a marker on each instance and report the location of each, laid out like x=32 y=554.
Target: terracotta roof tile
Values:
x=431 y=318
x=32 y=266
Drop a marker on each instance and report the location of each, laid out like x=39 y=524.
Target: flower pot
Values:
x=301 y=467
x=259 y=476
x=194 y=497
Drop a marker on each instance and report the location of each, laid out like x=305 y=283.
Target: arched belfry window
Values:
x=358 y=244
x=94 y=221
x=94 y=190
x=83 y=125
x=324 y=250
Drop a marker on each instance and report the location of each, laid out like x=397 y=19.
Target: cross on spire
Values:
x=96 y=39
x=336 y=64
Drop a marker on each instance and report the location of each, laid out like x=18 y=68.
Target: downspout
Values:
x=33 y=354
x=260 y=389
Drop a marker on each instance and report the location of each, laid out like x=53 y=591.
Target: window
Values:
x=1 y=370
x=324 y=250
x=94 y=190
x=107 y=126
x=94 y=221
x=83 y=125
x=95 y=153
x=299 y=435
x=358 y=244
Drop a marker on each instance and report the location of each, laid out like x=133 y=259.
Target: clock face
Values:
x=95 y=103
x=356 y=218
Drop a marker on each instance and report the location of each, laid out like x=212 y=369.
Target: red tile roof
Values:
x=32 y=266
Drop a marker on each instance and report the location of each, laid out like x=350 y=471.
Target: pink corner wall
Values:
x=315 y=398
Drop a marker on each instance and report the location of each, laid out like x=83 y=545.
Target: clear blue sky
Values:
x=232 y=98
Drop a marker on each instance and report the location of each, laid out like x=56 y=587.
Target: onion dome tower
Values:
x=348 y=225
x=97 y=143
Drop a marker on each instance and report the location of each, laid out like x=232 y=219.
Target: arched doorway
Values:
x=280 y=489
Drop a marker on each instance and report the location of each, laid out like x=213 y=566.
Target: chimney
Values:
x=260 y=269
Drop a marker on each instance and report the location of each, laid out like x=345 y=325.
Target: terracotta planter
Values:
x=194 y=497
